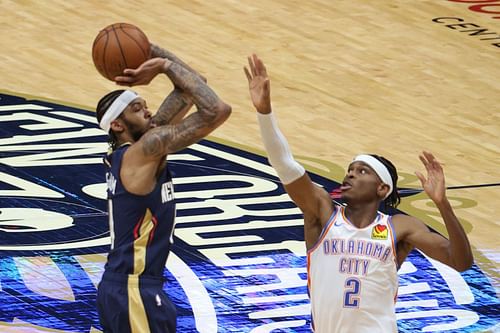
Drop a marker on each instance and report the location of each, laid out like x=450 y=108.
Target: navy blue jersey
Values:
x=141 y=226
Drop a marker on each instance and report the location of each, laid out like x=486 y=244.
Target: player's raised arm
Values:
x=178 y=102
x=314 y=201
x=211 y=110
x=157 y=51
x=455 y=251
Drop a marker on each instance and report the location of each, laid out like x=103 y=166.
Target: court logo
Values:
x=238 y=263
x=471 y=29
x=488 y=7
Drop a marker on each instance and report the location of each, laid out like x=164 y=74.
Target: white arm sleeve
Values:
x=278 y=151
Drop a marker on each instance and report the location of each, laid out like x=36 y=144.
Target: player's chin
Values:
x=346 y=196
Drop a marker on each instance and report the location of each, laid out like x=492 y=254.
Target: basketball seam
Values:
x=103 y=33
x=103 y=43
x=120 y=46
x=135 y=41
x=104 y=56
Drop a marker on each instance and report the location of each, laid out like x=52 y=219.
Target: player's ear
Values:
x=117 y=126
x=382 y=190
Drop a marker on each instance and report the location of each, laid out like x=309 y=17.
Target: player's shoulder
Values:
x=121 y=148
x=400 y=218
x=404 y=224
x=117 y=153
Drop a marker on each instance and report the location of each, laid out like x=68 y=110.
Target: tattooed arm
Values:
x=178 y=103
x=210 y=108
x=211 y=113
x=173 y=108
x=145 y=157
x=157 y=51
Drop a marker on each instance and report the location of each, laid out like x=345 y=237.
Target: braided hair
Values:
x=393 y=199
x=103 y=105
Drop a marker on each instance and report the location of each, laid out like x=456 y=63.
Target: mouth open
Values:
x=345 y=187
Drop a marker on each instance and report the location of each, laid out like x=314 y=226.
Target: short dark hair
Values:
x=103 y=106
x=393 y=199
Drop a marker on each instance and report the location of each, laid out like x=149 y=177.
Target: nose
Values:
x=147 y=114
x=348 y=176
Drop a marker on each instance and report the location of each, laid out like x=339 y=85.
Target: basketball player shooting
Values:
x=354 y=252
x=141 y=201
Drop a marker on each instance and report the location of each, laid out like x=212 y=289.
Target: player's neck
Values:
x=361 y=215
x=125 y=138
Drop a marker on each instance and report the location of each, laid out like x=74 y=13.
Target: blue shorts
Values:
x=134 y=304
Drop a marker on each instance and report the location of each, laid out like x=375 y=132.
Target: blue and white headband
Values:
x=116 y=108
x=379 y=168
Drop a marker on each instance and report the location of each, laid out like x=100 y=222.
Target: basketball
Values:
x=119 y=46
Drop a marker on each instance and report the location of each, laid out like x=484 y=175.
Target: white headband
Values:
x=116 y=108
x=379 y=168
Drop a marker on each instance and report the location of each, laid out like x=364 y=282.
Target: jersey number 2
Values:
x=351 y=293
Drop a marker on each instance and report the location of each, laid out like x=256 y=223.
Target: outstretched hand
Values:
x=144 y=74
x=258 y=84
x=434 y=184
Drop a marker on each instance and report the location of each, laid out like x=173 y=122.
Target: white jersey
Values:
x=352 y=276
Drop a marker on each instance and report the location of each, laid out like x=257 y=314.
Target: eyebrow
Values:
x=363 y=164
x=139 y=102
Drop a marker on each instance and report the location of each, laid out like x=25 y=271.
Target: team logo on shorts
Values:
x=379 y=232
x=238 y=262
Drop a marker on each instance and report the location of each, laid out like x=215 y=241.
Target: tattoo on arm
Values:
x=171 y=137
x=202 y=95
x=157 y=51
x=163 y=140
x=175 y=105
x=153 y=143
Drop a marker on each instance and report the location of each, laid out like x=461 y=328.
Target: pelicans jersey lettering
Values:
x=352 y=276
x=130 y=295
x=141 y=225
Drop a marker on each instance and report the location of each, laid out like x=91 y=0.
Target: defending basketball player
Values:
x=141 y=199
x=354 y=251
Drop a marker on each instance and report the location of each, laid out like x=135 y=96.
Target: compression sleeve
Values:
x=278 y=151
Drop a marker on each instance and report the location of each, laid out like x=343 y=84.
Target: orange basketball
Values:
x=119 y=46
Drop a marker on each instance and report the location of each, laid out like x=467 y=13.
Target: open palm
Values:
x=434 y=184
x=258 y=84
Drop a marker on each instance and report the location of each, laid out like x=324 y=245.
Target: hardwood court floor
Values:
x=386 y=77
